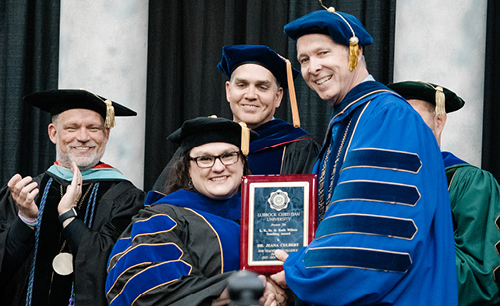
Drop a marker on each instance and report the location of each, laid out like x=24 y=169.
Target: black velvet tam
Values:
x=199 y=131
x=60 y=100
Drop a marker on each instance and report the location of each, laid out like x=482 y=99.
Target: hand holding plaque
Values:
x=278 y=212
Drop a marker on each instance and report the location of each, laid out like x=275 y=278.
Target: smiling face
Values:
x=325 y=67
x=80 y=136
x=253 y=95
x=218 y=181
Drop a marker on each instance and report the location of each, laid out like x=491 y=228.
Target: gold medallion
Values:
x=63 y=263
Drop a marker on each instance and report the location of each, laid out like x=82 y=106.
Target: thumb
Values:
x=281 y=255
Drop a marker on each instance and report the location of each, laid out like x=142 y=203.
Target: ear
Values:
x=360 y=52
x=278 y=98
x=440 y=121
x=228 y=91
x=52 y=133
x=106 y=134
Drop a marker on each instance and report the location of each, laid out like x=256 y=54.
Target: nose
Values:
x=314 y=65
x=218 y=166
x=82 y=135
x=250 y=93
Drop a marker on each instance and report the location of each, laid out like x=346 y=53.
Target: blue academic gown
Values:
x=386 y=236
x=178 y=251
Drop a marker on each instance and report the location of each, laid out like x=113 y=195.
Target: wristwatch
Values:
x=69 y=214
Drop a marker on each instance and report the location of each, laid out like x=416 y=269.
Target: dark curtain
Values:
x=491 y=111
x=185 y=44
x=29 y=54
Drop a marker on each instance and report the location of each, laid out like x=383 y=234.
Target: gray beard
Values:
x=83 y=162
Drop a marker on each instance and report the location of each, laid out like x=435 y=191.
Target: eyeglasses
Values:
x=207 y=161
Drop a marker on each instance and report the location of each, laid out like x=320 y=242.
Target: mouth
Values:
x=323 y=80
x=219 y=178
x=82 y=148
x=249 y=106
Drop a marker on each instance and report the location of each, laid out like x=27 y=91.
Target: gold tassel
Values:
x=353 y=53
x=245 y=138
x=353 y=41
x=291 y=93
x=110 y=114
x=440 y=101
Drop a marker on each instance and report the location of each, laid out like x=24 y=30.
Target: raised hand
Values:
x=24 y=191
x=73 y=191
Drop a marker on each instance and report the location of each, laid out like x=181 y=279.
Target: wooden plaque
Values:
x=277 y=212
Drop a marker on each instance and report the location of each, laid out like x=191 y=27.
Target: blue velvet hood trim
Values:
x=228 y=209
x=451 y=160
x=274 y=133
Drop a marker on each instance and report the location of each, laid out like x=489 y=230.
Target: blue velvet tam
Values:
x=237 y=55
x=339 y=26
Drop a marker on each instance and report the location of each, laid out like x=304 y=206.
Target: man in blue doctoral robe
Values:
x=385 y=235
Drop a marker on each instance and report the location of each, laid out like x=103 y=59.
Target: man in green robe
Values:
x=474 y=198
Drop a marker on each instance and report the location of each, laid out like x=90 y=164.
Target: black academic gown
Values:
x=116 y=202
x=282 y=149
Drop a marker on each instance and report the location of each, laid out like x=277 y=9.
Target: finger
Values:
x=20 y=184
x=77 y=173
x=263 y=279
x=13 y=181
x=75 y=180
x=281 y=255
x=276 y=287
x=279 y=278
x=24 y=196
x=30 y=196
x=271 y=298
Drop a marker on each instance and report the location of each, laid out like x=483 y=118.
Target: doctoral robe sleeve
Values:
x=170 y=257
x=16 y=238
x=475 y=203
x=386 y=226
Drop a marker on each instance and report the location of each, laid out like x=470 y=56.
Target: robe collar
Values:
x=101 y=171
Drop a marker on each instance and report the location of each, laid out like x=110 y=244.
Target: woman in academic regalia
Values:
x=181 y=249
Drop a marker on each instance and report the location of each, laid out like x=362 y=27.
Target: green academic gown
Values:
x=475 y=204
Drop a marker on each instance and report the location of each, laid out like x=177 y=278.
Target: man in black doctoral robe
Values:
x=52 y=252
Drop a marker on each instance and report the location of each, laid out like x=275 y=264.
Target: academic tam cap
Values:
x=338 y=25
x=60 y=100
x=343 y=28
x=199 y=131
x=432 y=93
x=237 y=55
